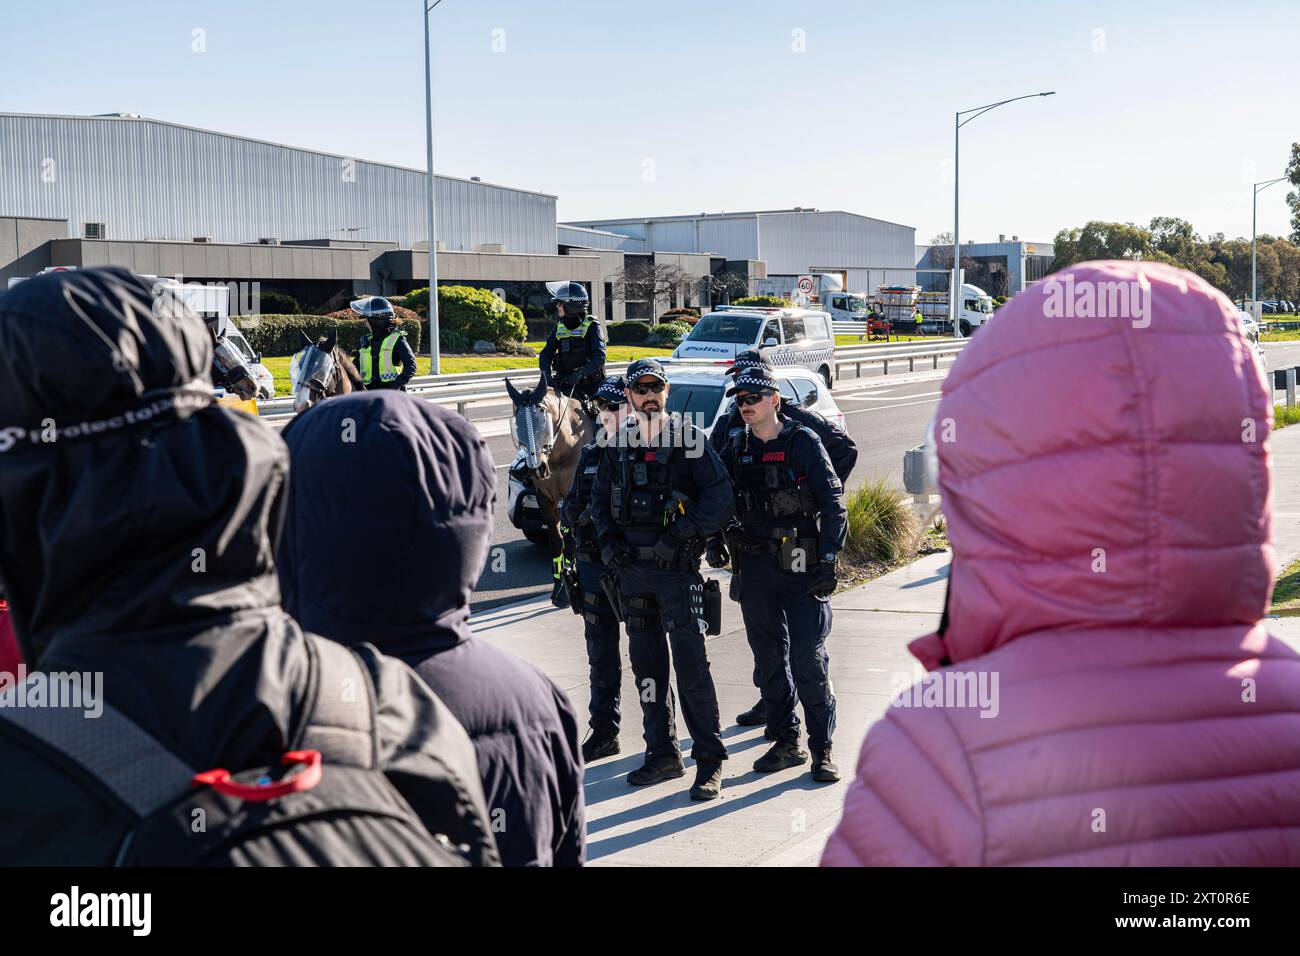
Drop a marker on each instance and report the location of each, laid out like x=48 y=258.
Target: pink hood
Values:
x=1104 y=468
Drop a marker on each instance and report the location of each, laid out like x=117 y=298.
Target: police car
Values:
x=697 y=389
x=786 y=338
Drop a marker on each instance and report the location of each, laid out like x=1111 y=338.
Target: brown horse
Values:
x=320 y=370
x=551 y=429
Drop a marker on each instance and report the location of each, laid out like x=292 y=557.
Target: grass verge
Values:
x=1286 y=593
x=1284 y=415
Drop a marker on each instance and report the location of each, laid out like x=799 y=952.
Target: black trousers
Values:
x=656 y=606
x=601 y=630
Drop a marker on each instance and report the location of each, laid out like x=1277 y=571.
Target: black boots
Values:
x=754 y=716
x=708 y=780
x=823 y=768
x=599 y=743
x=657 y=769
x=782 y=754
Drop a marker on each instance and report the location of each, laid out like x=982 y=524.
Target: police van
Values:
x=786 y=338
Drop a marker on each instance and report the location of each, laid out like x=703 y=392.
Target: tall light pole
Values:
x=954 y=293
x=435 y=365
x=1254 y=204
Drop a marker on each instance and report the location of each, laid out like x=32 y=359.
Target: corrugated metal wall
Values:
x=147 y=179
x=794 y=243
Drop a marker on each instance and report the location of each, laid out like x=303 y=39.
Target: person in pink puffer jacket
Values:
x=1107 y=488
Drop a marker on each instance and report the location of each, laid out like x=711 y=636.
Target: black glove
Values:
x=668 y=551
x=616 y=555
x=716 y=553
x=823 y=580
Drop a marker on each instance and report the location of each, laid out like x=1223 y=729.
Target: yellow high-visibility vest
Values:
x=387 y=371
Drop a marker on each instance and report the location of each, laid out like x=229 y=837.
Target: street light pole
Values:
x=1254 y=205
x=435 y=365
x=954 y=292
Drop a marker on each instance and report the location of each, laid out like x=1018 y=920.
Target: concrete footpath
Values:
x=780 y=819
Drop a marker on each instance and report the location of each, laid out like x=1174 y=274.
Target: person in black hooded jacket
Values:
x=389 y=519
x=139 y=545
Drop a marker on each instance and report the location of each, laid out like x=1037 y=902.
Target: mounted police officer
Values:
x=792 y=526
x=840 y=447
x=573 y=358
x=600 y=618
x=659 y=493
x=378 y=366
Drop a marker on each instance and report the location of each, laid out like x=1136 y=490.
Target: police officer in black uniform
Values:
x=573 y=358
x=660 y=492
x=792 y=526
x=600 y=619
x=841 y=448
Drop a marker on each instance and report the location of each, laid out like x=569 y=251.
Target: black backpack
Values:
x=327 y=804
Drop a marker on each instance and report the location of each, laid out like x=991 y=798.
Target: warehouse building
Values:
x=865 y=252
x=1004 y=267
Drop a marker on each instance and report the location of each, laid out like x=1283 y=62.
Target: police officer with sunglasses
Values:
x=600 y=618
x=792 y=526
x=659 y=493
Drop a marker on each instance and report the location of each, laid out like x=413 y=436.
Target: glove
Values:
x=616 y=555
x=668 y=550
x=716 y=553
x=823 y=580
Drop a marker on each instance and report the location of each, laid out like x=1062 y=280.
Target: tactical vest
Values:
x=767 y=487
x=572 y=350
x=642 y=489
x=387 y=371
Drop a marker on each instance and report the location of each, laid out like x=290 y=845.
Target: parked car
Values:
x=1252 y=330
x=697 y=390
x=784 y=337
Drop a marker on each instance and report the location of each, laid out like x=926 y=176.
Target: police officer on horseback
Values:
x=659 y=493
x=384 y=347
x=573 y=358
x=791 y=527
x=600 y=617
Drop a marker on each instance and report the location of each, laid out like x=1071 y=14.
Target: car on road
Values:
x=784 y=337
x=697 y=389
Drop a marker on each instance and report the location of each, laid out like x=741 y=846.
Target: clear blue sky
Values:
x=1162 y=108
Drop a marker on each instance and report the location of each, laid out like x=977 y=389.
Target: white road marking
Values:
x=881 y=408
x=885 y=398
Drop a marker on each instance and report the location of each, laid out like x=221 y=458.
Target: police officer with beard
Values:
x=792 y=526
x=384 y=347
x=659 y=493
x=600 y=619
x=573 y=358
x=841 y=448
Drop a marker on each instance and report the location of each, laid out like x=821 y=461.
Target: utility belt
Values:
x=793 y=553
x=642 y=613
x=759 y=506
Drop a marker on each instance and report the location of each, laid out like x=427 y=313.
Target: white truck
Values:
x=900 y=304
x=825 y=293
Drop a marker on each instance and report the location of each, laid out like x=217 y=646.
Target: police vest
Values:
x=585 y=481
x=572 y=350
x=767 y=486
x=642 y=490
x=387 y=372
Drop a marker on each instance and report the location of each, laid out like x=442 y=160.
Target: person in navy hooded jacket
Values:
x=387 y=527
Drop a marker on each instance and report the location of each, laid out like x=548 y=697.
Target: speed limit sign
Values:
x=805 y=285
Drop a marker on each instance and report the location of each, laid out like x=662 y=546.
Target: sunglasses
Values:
x=752 y=398
x=645 y=388
x=604 y=406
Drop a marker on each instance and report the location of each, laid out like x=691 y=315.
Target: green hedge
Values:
x=283 y=334
x=628 y=333
x=669 y=334
x=278 y=303
x=766 y=301
x=476 y=313
x=686 y=314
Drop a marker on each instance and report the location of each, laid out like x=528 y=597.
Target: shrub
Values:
x=1284 y=415
x=450 y=341
x=766 y=301
x=418 y=301
x=283 y=334
x=668 y=334
x=278 y=303
x=516 y=348
x=628 y=333
x=882 y=525
x=684 y=314
x=479 y=314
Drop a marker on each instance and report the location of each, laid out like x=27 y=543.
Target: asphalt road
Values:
x=884 y=417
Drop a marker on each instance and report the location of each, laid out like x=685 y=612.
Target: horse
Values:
x=320 y=370
x=551 y=429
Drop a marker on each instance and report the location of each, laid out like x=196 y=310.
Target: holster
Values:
x=609 y=584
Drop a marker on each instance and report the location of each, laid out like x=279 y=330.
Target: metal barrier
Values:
x=1284 y=378
x=472 y=388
